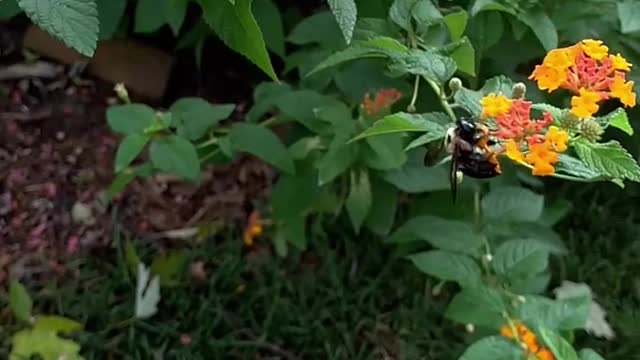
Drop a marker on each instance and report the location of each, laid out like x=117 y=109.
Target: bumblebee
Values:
x=469 y=145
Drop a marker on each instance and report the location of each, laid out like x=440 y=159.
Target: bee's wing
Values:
x=453 y=178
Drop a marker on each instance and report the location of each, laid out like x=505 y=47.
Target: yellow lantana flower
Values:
x=557 y=139
x=623 y=91
x=542 y=159
x=586 y=104
x=595 y=49
x=548 y=78
x=513 y=151
x=560 y=59
x=620 y=63
x=494 y=105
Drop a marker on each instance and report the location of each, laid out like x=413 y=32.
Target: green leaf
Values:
x=175 y=12
x=566 y=314
x=130 y=118
x=629 y=16
x=589 y=354
x=168 y=267
x=465 y=57
x=580 y=295
x=512 y=204
x=263 y=143
x=555 y=212
x=129 y=149
x=425 y=13
x=569 y=165
x=238 y=29
x=456 y=23
x=402 y=122
x=359 y=200
x=400 y=13
x=56 y=324
x=268 y=17
x=293 y=195
x=481 y=306
x=320 y=28
x=451 y=235
x=541 y=25
x=609 y=158
x=556 y=113
x=383 y=209
x=19 y=301
x=195 y=116
x=110 y=14
x=448 y=266
x=9 y=9
x=150 y=16
x=494 y=348
x=427 y=63
x=515 y=258
x=176 y=155
x=147 y=293
x=346 y=15
x=336 y=161
x=619 y=119
x=294 y=231
x=414 y=177
x=302 y=106
x=557 y=344
x=75 y=22
x=47 y=344
x=385 y=152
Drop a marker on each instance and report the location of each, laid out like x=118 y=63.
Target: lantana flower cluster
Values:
x=590 y=72
x=517 y=131
x=381 y=101
x=528 y=340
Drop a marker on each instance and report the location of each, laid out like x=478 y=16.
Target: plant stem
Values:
x=443 y=99
x=414 y=98
x=209 y=142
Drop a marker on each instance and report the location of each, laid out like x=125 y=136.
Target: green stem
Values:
x=414 y=98
x=209 y=142
x=443 y=99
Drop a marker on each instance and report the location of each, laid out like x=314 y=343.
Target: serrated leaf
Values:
x=268 y=17
x=400 y=13
x=494 y=348
x=359 y=200
x=481 y=306
x=19 y=301
x=629 y=16
x=336 y=161
x=619 y=119
x=47 y=344
x=558 y=345
x=515 y=258
x=238 y=29
x=75 y=22
x=147 y=293
x=57 y=324
x=129 y=149
x=429 y=137
x=263 y=143
x=175 y=155
x=595 y=324
x=465 y=57
x=589 y=354
x=609 y=158
x=511 y=203
x=402 y=122
x=320 y=28
x=346 y=15
x=425 y=13
x=427 y=63
x=570 y=165
x=456 y=23
x=542 y=26
x=448 y=266
x=567 y=314
x=130 y=118
x=556 y=112
x=193 y=117
x=444 y=234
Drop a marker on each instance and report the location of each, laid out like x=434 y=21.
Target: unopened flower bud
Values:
x=518 y=90
x=569 y=121
x=455 y=84
x=591 y=130
x=522 y=299
x=488 y=257
x=470 y=328
x=122 y=92
x=411 y=108
x=437 y=289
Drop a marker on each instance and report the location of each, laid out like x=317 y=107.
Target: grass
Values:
x=347 y=299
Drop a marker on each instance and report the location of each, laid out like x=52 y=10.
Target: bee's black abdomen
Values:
x=477 y=165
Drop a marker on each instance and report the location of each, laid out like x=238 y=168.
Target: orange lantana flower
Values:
x=253 y=229
x=542 y=159
x=529 y=341
x=586 y=104
x=594 y=49
x=620 y=63
x=623 y=91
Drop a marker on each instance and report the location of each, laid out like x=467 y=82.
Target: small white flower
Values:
x=470 y=328
x=488 y=257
